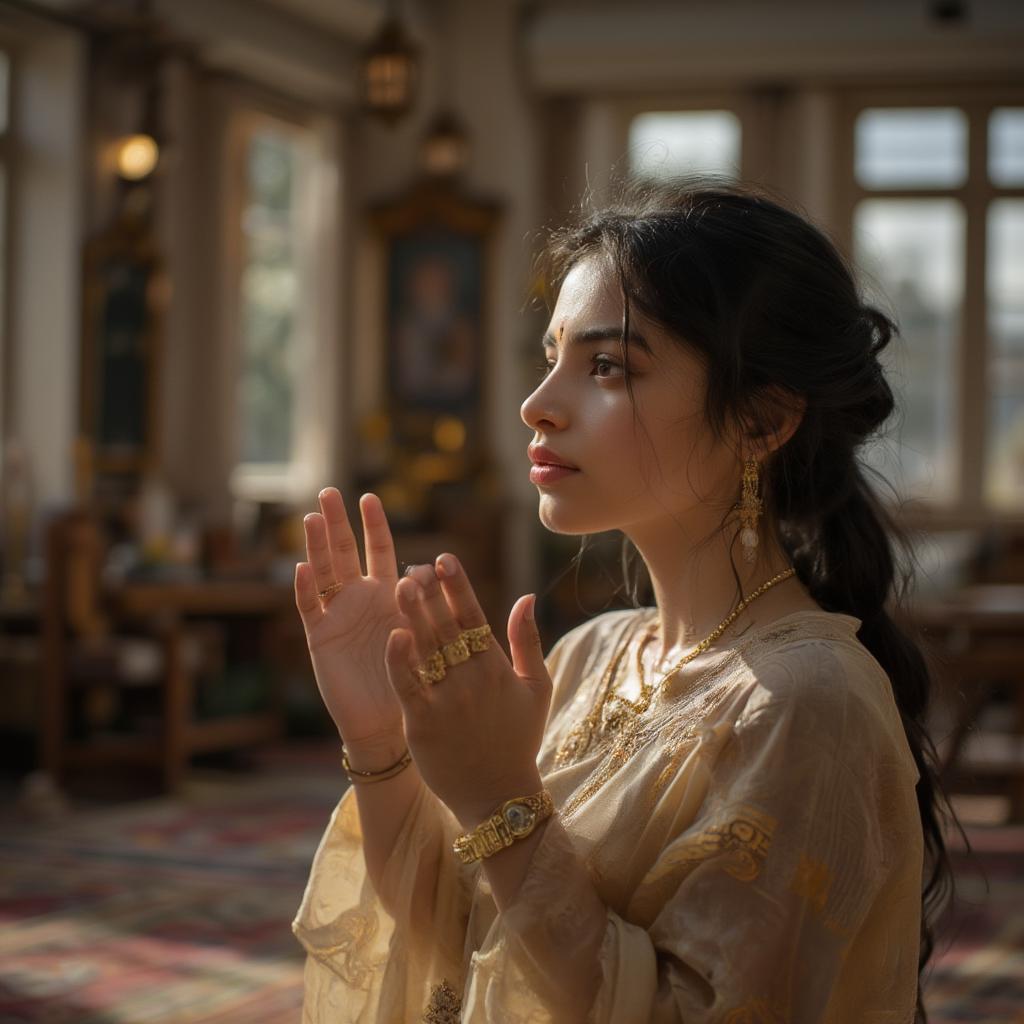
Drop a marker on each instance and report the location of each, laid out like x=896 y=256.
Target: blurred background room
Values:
x=252 y=248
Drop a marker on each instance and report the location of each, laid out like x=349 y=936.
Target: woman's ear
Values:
x=778 y=417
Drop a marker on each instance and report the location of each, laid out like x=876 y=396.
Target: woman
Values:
x=742 y=805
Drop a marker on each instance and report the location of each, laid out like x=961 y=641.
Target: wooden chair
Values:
x=85 y=651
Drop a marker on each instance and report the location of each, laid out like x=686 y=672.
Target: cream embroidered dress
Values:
x=754 y=841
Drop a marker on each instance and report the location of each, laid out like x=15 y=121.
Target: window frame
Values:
x=290 y=482
x=977 y=101
x=8 y=162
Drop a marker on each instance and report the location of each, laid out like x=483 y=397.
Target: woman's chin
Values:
x=557 y=518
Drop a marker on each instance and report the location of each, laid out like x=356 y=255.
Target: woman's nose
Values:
x=538 y=411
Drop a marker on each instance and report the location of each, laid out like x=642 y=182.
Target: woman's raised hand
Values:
x=347 y=631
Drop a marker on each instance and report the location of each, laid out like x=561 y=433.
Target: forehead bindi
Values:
x=593 y=335
x=589 y=311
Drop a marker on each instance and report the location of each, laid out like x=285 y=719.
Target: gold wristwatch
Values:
x=515 y=819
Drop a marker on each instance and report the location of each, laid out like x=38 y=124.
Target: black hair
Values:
x=773 y=309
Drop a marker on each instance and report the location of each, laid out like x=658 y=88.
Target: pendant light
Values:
x=444 y=148
x=389 y=70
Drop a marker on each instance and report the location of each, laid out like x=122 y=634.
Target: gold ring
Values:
x=478 y=638
x=327 y=591
x=433 y=670
x=457 y=651
x=464 y=646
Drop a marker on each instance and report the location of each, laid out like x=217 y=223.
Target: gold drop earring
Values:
x=750 y=507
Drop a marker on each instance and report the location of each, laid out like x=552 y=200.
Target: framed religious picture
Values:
x=436 y=297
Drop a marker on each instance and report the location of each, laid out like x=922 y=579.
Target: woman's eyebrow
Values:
x=591 y=335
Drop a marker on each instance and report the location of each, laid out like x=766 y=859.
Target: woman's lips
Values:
x=542 y=473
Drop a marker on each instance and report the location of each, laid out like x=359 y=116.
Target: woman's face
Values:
x=630 y=475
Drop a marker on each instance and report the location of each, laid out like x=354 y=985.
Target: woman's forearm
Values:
x=539 y=883
x=383 y=806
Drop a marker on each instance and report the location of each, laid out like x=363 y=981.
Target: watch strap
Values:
x=515 y=819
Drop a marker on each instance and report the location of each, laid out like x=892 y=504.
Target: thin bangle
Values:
x=370 y=777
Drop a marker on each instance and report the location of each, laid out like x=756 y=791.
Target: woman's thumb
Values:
x=524 y=641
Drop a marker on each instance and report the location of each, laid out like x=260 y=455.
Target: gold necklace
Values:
x=612 y=711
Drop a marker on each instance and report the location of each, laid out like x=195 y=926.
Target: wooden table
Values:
x=172 y=605
x=977 y=645
x=202 y=597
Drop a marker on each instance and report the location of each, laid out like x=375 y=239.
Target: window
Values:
x=938 y=237
x=915 y=248
x=1004 y=287
x=274 y=302
x=667 y=143
x=911 y=148
x=5 y=162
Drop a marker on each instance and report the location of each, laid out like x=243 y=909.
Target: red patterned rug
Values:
x=179 y=911
x=162 y=911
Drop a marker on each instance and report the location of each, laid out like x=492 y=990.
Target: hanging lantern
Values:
x=136 y=156
x=445 y=146
x=389 y=72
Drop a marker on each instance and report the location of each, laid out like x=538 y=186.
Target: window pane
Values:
x=5 y=89
x=3 y=279
x=1006 y=146
x=1004 y=464
x=269 y=299
x=908 y=147
x=685 y=142
x=913 y=251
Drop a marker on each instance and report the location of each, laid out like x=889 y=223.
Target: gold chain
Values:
x=605 y=719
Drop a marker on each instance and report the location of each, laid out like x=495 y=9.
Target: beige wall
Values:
x=46 y=225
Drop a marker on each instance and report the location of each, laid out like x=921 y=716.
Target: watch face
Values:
x=520 y=818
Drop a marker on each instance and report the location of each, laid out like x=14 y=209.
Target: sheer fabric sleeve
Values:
x=746 y=912
x=363 y=963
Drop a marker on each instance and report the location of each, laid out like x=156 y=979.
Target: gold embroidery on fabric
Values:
x=838 y=929
x=757 y=1011
x=444 y=1005
x=744 y=839
x=676 y=744
x=692 y=708
x=357 y=928
x=812 y=879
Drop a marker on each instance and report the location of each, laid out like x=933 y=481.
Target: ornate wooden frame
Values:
x=448 y=240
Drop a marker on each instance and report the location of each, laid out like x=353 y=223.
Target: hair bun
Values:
x=881 y=328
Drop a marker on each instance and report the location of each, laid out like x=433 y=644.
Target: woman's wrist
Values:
x=375 y=756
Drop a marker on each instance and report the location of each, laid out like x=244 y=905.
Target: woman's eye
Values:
x=600 y=361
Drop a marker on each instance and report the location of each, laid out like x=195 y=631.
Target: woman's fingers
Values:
x=399 y=659
x=310 y=610
x=441 y=616
x=318 y=554
x=458 y=592
x=444 y=608
x=380 y=547
x=340 y=539
x=408 y=592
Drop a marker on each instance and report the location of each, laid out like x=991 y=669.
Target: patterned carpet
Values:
x=160 y=911
x=178 y=912
x=978 y=974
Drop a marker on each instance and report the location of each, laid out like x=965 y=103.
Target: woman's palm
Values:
x=347 y=633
